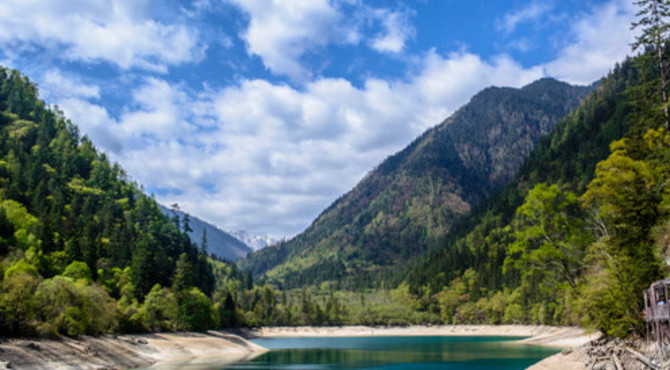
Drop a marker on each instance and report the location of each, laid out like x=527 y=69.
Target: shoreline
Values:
x=145 y=350
x=549 y=336
x=572 y=340
x=123 y=351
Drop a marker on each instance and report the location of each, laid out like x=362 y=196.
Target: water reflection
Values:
x=397 y=353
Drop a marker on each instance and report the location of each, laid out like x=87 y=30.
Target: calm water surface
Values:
x=436 y=352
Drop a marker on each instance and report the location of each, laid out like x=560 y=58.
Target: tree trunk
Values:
x=661 y=64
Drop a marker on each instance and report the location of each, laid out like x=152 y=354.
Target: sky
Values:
x=258 y=114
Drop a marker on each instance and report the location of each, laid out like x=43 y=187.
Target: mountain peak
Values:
x=412 y=198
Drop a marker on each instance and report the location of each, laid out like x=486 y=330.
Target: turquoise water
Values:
x=437 y=352
x=396 y=353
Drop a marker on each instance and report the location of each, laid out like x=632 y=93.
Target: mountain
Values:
x=255 y=242
x=411 y=200
x=579 y=234
x=567 y=156
x=81 y=246
x=219 y=242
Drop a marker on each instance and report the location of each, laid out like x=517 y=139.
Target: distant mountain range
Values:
x=411 y=200
x=255 y=242
x=219 y=242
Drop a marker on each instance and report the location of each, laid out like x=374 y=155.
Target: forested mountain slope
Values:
x=567 y=156
x=411 y=199
x=578 y=234
x=81 y=247
x=218 y=242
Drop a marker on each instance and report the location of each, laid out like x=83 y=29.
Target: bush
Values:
x=69 y=308
x=78 y=270
x=17 y=307
x=159 y=311
x=195 y=311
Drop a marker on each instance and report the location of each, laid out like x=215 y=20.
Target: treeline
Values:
x=82 y=249
x=411 y=200
x=582 y=230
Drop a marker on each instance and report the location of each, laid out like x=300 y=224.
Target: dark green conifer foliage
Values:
x=652 y=19
x=62 y=201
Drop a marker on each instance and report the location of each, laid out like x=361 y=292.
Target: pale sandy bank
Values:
x=539 y=335
x=123 y=351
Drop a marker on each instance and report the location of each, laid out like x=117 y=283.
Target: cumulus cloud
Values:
x=263 y=156
x=268 y=157
x=396 y=31
x=280 y=32
x=599 y=39
x=57 y=85
x=532 y=12
x=119 y=32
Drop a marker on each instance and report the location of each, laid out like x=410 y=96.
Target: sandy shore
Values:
x=539 y=335
x=173 y=350
x=123 y=351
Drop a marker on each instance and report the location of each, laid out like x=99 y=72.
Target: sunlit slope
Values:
x=411 y=199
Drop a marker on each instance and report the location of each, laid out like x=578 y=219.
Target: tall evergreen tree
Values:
x=653 y=21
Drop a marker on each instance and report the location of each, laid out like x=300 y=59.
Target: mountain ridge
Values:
x=397 y=210
x=219 y=242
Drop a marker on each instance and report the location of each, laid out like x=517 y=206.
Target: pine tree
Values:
x=653 y=20
x=183 y=276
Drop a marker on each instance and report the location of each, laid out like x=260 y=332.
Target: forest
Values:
x=573 y=237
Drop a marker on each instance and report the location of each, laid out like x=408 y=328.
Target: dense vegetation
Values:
x=590 y=228
x=83 y=250
x=580 y=229
x=219 y=243
x=410 y=201
x=575 y=237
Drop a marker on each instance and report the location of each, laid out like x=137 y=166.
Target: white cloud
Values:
x=600 y=39
x=268 y=157
x=532 y=12
x=55 y=84
x=119 y=32
x=280 y=32
x=397 y=30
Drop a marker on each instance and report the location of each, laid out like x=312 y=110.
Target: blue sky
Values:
x=257 y=114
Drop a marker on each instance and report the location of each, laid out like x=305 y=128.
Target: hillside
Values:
x=567 y=156
x=580 y=232
x=411 y=200
x=219 y=242
x=82 y=249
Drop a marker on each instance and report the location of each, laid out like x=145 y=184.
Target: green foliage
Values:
x=159 y=311
x=17 y=306
x=550 y=237
x=78 y=270
x=627 y=194
x=411 y=200
x=545 y=253
x=21 y=267
x=195 y=310
x=69 y=216
x=68 y=308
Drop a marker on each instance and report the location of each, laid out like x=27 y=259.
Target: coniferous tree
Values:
x=653 y=22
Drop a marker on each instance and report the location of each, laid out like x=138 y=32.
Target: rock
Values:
x=91 y=350
x=567 y=350
x=142 y=341
x=33 y=346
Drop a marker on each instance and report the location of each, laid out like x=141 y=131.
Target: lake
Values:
x=415 y=352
